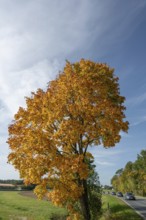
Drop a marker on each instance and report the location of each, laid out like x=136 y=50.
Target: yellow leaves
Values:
x=63 y=192
x=50 y=137
x=144 y=177
x=11 y=156
x=40 y=191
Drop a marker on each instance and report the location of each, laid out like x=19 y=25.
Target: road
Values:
x=139 y=205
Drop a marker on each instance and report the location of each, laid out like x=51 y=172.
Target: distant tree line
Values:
x=17 y=185
x=12 y=181
x=132 y=177
x=107 y=187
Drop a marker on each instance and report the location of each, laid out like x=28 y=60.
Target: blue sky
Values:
x=36 y=37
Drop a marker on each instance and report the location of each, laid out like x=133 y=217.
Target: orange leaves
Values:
x=40 y=191
x=50 y=137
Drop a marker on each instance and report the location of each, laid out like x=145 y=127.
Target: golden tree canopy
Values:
x=50 y=138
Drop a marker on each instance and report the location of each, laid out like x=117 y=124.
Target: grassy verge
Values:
x=17 y=207
x=115 y=209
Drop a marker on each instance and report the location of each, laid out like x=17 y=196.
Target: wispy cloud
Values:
x=104 y=157
x=105 y=163
x=136 y=100
x=100 y=151
x=20 y=83
x=7 y=169
x=138 y=121
x=37 y=36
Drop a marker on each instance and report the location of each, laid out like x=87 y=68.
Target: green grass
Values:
x=115 y=209
x=14 y=206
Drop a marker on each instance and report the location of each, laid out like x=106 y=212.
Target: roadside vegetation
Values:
x=114 y=208
x=136 y=173
x=16 y=206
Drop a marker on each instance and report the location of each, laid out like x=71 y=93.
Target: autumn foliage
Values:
x=50 y=138
x=132 y=177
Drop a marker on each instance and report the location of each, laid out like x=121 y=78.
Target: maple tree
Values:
x=50 y=138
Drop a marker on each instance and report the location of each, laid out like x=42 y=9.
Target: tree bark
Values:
x=84 y=202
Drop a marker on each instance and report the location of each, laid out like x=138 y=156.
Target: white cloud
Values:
x=35 y=31
x=136 y=100
x=20 y=84
x=36 y=37
x=138 y=121
x=105 y=157
x=100 y=151
x=7 y=169
x=104 y=163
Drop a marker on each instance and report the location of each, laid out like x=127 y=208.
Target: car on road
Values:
x=119 y=194
x=129 y=196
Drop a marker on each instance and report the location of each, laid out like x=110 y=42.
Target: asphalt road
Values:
x=139 y=205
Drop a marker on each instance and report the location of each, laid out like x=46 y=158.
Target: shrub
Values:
x=95 y=204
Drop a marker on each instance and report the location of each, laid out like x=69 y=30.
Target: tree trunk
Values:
x=84 y=202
